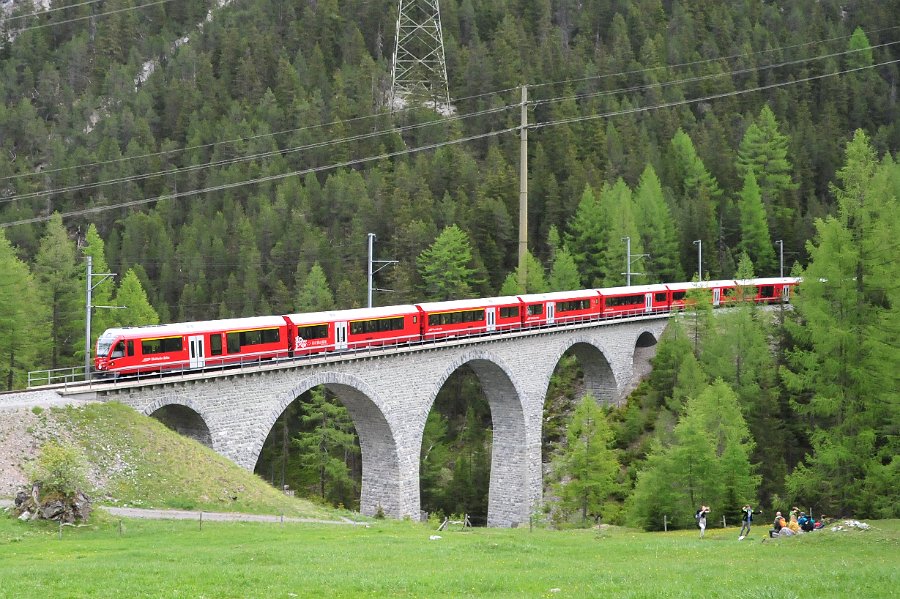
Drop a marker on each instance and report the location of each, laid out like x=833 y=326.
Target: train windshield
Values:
x=104 y=342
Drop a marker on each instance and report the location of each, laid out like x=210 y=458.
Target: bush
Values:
x=60 y=469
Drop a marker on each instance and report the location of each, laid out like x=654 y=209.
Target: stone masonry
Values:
x=389 y=394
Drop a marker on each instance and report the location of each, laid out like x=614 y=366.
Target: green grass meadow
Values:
x=397 y=559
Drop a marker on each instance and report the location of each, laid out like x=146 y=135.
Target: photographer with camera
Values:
x=700 y=516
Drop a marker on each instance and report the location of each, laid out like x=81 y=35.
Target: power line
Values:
x=102 y=14
x=266 y=179
x=708 y=60
x=456 y=100
x=327 y=143
x=706 y=98
x=710 y=76
x=236 y=160
x=47 y=11
x=98 y=209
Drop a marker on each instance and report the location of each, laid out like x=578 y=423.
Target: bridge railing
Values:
x=76 y=375
x=56 y=376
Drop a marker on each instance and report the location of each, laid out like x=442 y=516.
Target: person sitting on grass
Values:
x=777 y=525
x=807 y=523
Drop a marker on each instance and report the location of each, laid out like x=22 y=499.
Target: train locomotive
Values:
x=226 y=342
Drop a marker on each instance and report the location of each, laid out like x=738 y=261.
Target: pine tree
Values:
x=585 y=235
x=535 y=282
x=137 y=310
x=445 y=266
x=315 y=295
x=564 y=273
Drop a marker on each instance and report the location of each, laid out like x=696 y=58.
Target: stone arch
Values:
x=185 y=418
x=509 y=493
x=644 y=349
x=599 y=377
x=384 y=475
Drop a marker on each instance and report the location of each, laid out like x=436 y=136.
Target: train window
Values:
x=378 y=325
x=130 y=347
x=535 y=309
x=271 y=335
x=624 y=300
x=119 y=350
x=678 y=295
x=234 y=342
x=729 y=292
x=314 y=331
x=161 y=346
x=258 y=337
x=455 y=317
x=573 y=305
x=215 y=344
x=659 y=297
x=512 y=312
x=767 y=291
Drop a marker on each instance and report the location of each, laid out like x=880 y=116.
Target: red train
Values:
x=216 y=343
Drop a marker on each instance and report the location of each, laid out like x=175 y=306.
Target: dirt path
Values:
x=149 y=514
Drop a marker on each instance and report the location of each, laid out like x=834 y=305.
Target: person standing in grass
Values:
x=746 y=518
x=701 y=518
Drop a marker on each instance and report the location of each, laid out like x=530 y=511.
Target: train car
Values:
x=338 y=330
x=721 y=292
x=470 y=317
x=635 y=300
x=561 y=307
x=185 y=345
x=769 y=290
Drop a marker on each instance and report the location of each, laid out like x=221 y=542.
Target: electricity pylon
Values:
x=419 y=71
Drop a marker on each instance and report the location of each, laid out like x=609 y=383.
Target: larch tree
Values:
x=755 y=239
x=588 y=468
x=60 y=290
x=659 y=235
x=535 y=281
x=18 y=338
x=564 y=272
x=843 y=371
x=585 y=235
x=698 y=202
x=764 y=152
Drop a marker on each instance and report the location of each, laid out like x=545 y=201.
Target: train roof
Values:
x=353 y=314
x=186 y=328
x=769 y=281
x=711 y=284
x=633 y=289
x=559 y=295
x=465 y=304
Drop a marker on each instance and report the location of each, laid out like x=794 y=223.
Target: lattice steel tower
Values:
x=419 y=72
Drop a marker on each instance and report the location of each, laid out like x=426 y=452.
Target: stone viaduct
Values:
x=389 y=394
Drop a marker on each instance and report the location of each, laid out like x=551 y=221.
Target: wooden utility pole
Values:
x=523 y=192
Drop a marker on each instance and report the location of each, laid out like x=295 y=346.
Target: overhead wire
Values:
x=266 y=179
x=93 y=16
x=706 y=98
x=250 y=157
x=269 y=178
x=49 y=10
x=44 y=172
x=707 y=60
x=327 y=143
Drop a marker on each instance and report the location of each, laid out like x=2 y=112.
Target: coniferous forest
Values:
x=229 y=159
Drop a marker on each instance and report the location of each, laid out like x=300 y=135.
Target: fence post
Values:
x=201 y=520
x=723 y=521
x=665 y=523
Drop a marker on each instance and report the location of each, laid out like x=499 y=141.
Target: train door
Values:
x=717 y=295
x=786 y=294
x=340 y=335
x=648 y=302
x=491 y=319
x=196 y=350
x=551 y=312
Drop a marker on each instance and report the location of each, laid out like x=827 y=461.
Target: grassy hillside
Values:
x=136 y=461
x=400 y=559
